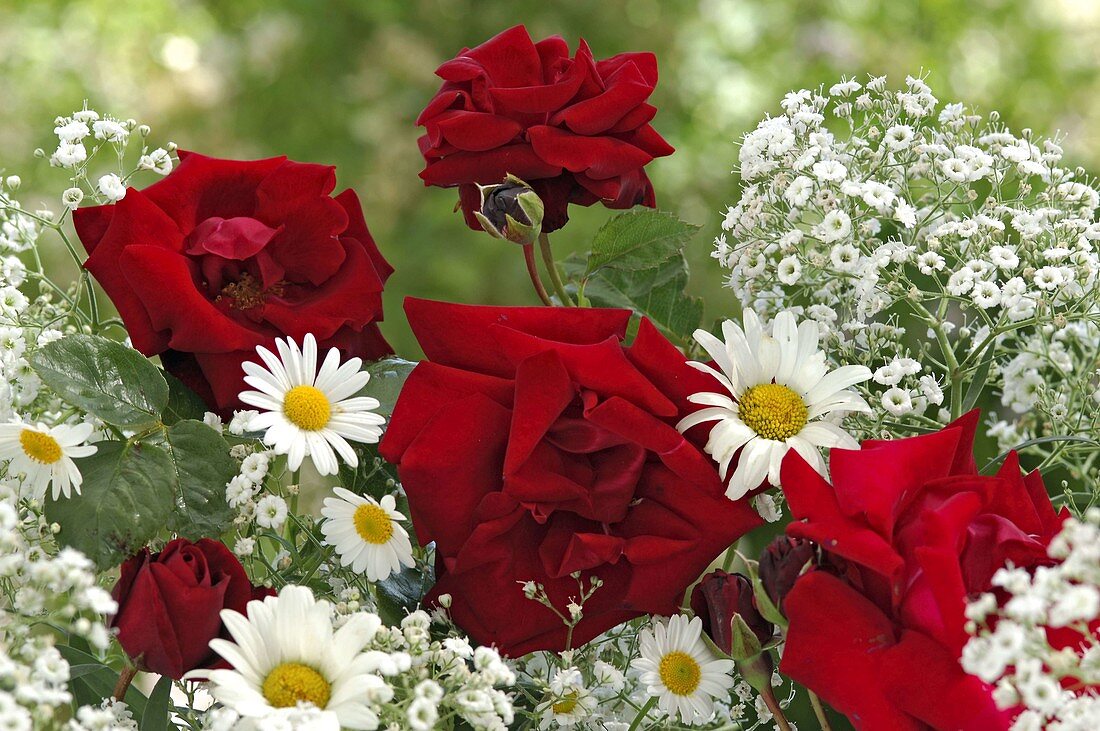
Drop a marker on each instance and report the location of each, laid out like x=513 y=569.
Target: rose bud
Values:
x=781 y=563
x=730 y=618
x=169 y=604
x=510 y=211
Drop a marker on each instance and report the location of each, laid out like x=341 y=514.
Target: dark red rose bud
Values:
x=725 y=604
x=511 y=210
x=780 y=565
x=169 y=604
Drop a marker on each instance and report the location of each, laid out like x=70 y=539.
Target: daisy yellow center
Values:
x=292 y=683
x=773 y=411
x=567 y=704
x=40 y=447
x=373 y=524
x=680 y=673
x=307 y=408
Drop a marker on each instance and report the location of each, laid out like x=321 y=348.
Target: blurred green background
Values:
x=342 y=82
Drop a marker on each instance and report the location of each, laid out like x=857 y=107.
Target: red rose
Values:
x=533 y=445
x=169 y=604
x=718 y=599
x=224 y=255
x=910 y=531
x=576 y=129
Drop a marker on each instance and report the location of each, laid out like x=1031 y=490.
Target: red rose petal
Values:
x=597 y=157
x=460 y=335
x=162 y=281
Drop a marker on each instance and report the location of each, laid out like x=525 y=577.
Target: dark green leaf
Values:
x=155 y=717
x=201 y=468
x=125 y=499
x=105 y=378
x=90 y=688
x=977 y=382
x=638 y=240
x=75 y=671
x=401 y=593
x=183 y=403
x=387 y=377
x=656 y=293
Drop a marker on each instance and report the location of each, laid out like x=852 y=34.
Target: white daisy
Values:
x=679 y=669
x=307 y=413
x=285 y=653
x=45 y=454
x=367 y=534
x=779 y=388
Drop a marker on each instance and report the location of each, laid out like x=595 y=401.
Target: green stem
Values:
x=954 y=372
x=819 y=711
x=533 y=272
x=642 y=713
x=552 y=268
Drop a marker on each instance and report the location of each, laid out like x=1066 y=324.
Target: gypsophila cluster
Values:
x=41 y=585
x=84 y=134
x=1039 y=645
x=937 y=247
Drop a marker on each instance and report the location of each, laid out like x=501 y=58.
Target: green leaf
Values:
x=89 y=688
x=387 y=377
x=977 y=383
x=201 y=468
x=401 y=593
x=183 y=403
x=638 y=240
x=125 y=499
x=155 y=717
x=103 y=377
x=656 y=293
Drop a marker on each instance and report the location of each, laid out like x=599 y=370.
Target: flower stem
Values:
x=125 y=677
x=781 y=721
x=637 y=722
x=533 y=272
x=552 y=269
x=819 y=711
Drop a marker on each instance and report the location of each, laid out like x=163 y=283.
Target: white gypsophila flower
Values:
x=159 y=161
x=679 y=669
x=271 y=512
x=779 y=396
x=112 y=188
x=285 y=652
x=311 y=413
x=69 y=155
x=44 y=455
x=366 y=533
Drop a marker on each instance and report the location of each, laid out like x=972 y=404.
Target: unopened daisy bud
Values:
x=13 y=182
x=444 y=600
x=511 y=210
x=144 y=130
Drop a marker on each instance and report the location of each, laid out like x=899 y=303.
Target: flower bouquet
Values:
x=866 y=499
